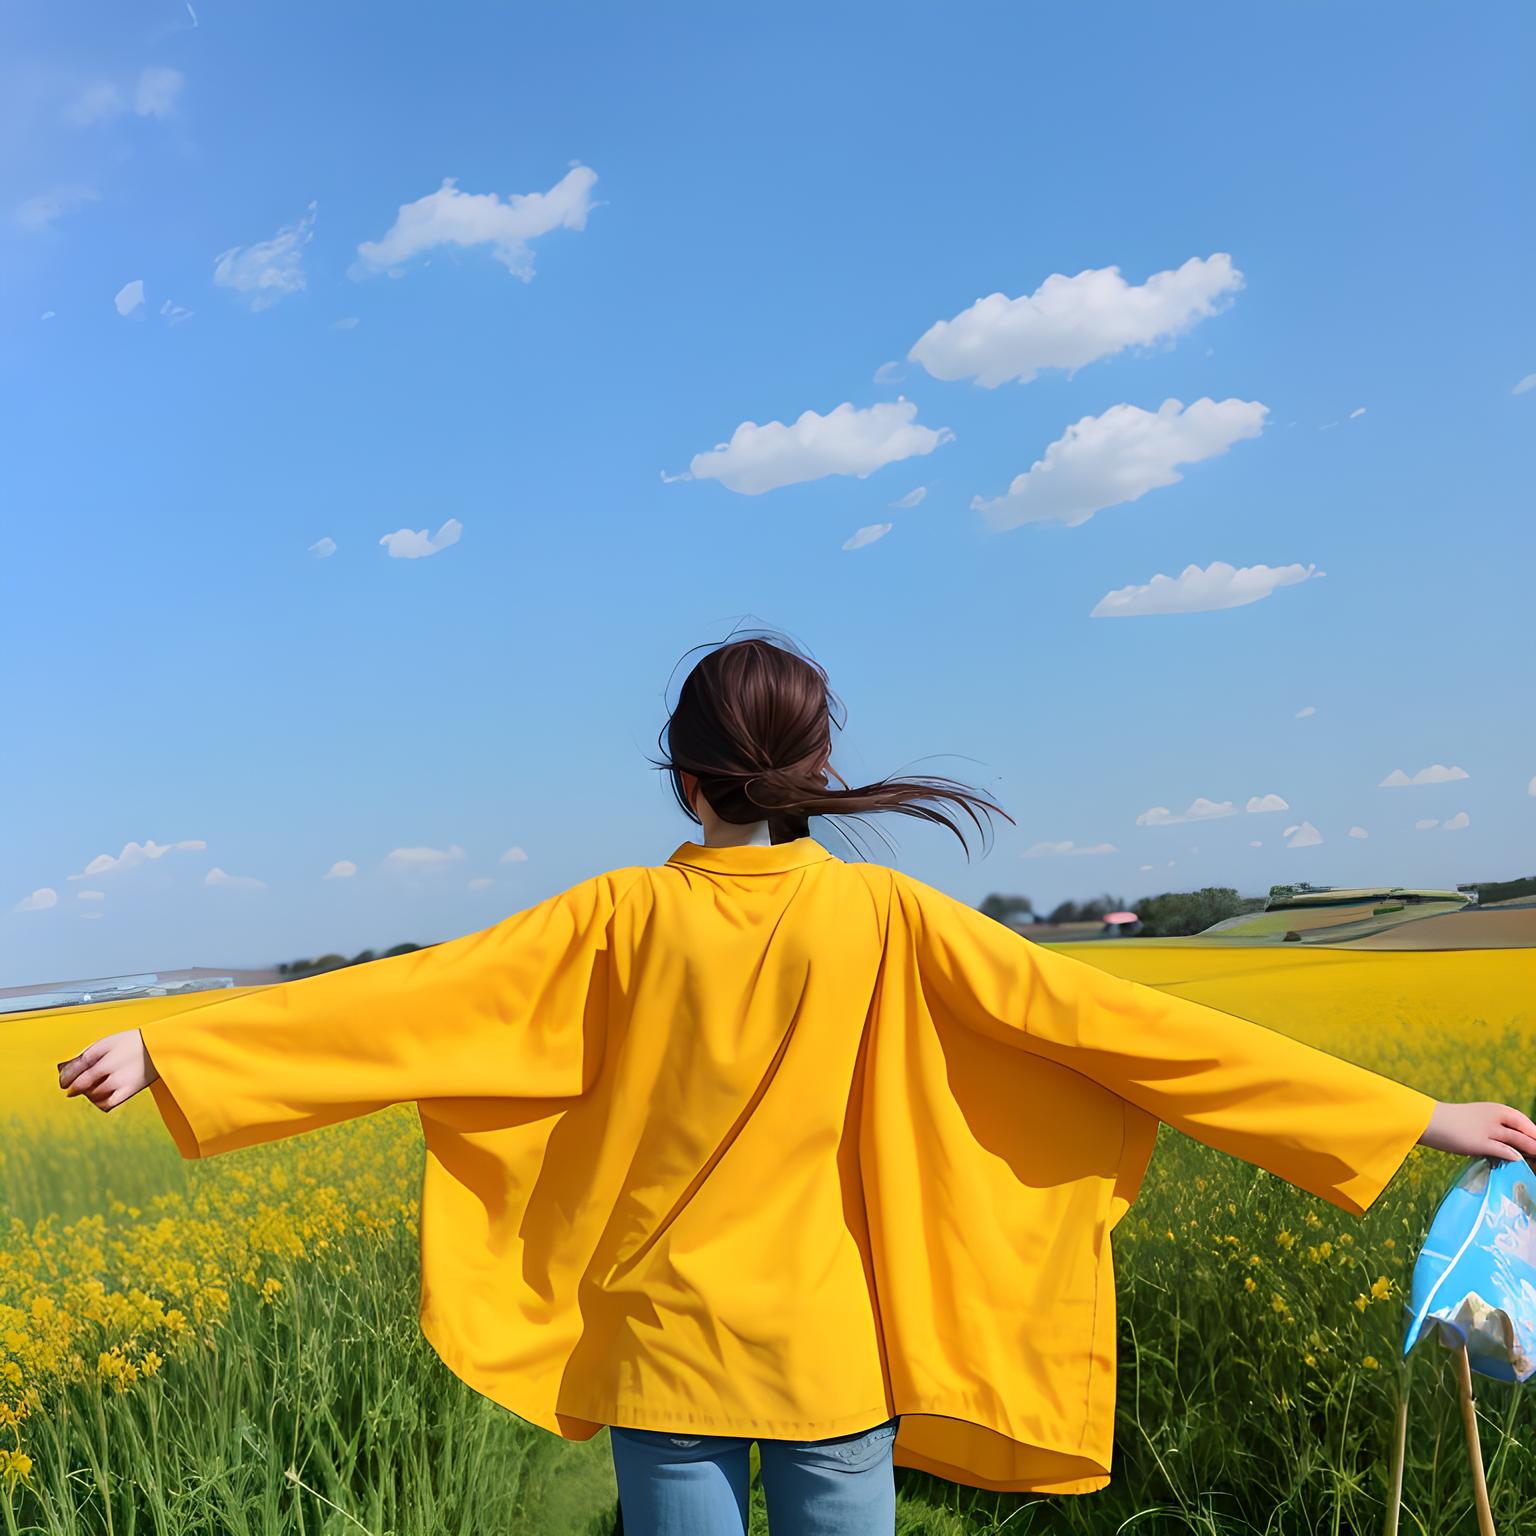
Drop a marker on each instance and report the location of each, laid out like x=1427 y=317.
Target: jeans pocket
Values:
x=861 y=1448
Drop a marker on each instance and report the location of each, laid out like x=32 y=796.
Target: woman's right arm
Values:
x=1318 y=1121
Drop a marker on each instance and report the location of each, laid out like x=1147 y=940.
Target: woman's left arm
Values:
x=518 y=1009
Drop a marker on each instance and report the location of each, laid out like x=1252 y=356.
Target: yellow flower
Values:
x=1360 y=1302
x=1369 y=1362
x=1310 y=1359
x=1285 y=1239
x=1249 y=1284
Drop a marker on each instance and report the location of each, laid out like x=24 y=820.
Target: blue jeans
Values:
x=696 y=1485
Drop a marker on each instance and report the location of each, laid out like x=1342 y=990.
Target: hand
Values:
x=113 y=1069
x=1481 y=1130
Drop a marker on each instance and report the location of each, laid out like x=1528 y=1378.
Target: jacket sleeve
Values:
x=1324 y=1124
x=516 y=1010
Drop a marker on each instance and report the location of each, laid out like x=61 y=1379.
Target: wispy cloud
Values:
x=174 y=314
x=1457 y=823
x=848 y=440
x=1436 y=773
x=1358 y=832
x=220 y=877
x=1106 y=461
x=153 y=94
x=270 y=270
x=890 y=373
x=1216 y=587
x=514 y=855
x=421 y=858
x=1200 y=809
x=1304 y=836
x=466 y=219
x=911 y=499
x=1358 y=411
x=47 y=208
x=134 y=854
x=342 y=869
x=1067 y=849
x=1068 y=322
x=90 y=895
x=129 y=297
x=867 y=535
x=323 y=549
x=481 y=883
x=413 y=544
x=1306 y=711
x=1424 y=823
x=39 y=901
x=1526 y=384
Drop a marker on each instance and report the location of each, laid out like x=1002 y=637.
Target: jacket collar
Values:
x=752 y=858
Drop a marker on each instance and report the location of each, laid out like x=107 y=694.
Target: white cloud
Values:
x=347 y=323
x=481 y=883
x=1530 y=788
x=1359 y=410
x=846 y=441
x=1104 y=461
x=890 y=373
x=47 y=208
x=465 y=219
x=1256 y=843
x=39 y=901
x=867 y=535
x=130 y=296
x=1069 y=848
x=90 y=895
x=134 y=854
x=1201 y=591
x=1525 y=384
x=156 y=93
x=1071 y=321
x=418 y=858
x=1457 y=822
x=911 y=499
x=1358 y=832
x=1145 y=868
x=1200 y=809
x=1304 y=836
x=323 y=549
x=96 y=103
x=174 y=314
x=1258 y=803
x=217 y=876
x=89 y=915
x=271 y=269
x=1306 y=711
x=1436 y=773
x=1425 y=823
x=342 y=869
x=514 y=855
x=48 y=314
x=410 y=544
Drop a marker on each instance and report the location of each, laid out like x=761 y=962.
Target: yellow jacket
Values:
x=761 y=1142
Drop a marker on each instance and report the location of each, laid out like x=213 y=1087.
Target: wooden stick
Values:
x=1474 y=1449
x=1399 y=1451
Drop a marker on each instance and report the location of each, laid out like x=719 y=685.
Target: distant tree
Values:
x=1503 y=890
x=1065 y=912
x=403 y=949
x=1178 y=913
x=1007 y=908
x=362 y=957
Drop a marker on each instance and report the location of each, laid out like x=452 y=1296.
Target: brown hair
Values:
x=752 y=721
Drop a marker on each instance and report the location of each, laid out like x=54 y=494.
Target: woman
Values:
x=758 y=1144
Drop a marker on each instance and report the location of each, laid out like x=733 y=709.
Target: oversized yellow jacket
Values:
x=762 y=1142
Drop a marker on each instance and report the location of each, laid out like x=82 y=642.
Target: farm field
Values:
x=231 y=1345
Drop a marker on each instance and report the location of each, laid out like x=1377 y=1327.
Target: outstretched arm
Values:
x=515 y=1010
x=1318 y=1121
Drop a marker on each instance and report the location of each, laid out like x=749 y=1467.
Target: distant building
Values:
x=108 y=989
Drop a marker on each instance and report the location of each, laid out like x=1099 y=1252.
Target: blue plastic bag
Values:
x=1474 y=1281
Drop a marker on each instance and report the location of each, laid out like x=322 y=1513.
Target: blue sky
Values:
x=517 y=274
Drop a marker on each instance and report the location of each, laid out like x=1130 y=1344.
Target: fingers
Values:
x=71 y=1069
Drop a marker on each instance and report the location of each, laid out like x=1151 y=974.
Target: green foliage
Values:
x=1004 y=908
x=1503 y=890
x=1090 y=911
x=1178 y=913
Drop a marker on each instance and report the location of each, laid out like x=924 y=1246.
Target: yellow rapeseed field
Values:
x=1260 y=1327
